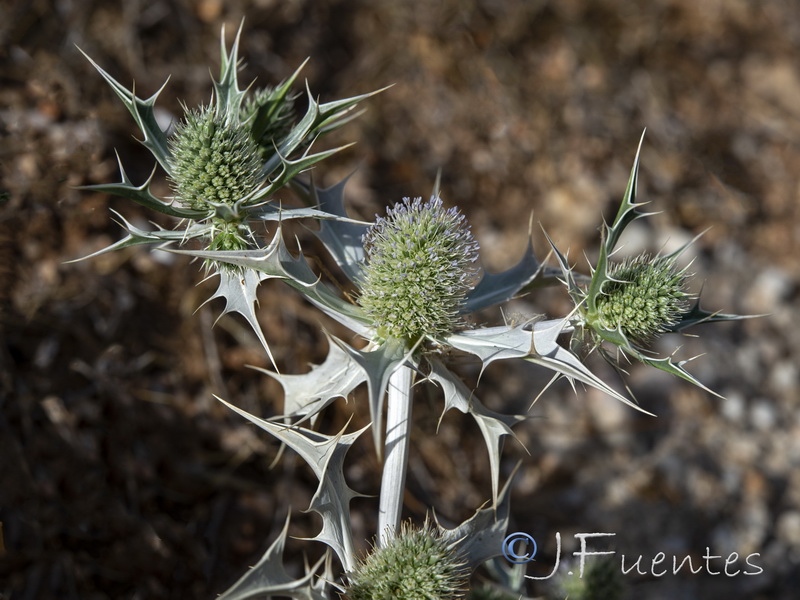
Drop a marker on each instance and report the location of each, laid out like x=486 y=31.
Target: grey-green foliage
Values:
x=605 y=284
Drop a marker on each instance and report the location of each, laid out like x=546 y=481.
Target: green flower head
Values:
x=415 y=565
x=642 y=298
x=214 y=161
x=420 y=264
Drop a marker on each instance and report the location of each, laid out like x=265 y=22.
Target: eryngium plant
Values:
x=417 y=283
x=627 y=305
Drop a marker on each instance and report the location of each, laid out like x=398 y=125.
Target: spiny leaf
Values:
x=238 y=288
x=337 y=112
x=698 y=315
x=494 y=288
x=496 y=343
x=481 y=536
x=626 y=214
x=143 y=113
x=342 y=236
x=569 y=276
x=137 y=237
x=325 y=455
x=270 y=212
x=667 y=365
x=289 y=169
x=308 y=394
x=494 y=426
x=141 y=195
x=318 y=117
x=277 y=262
x=548 y=353
x=269 y=577
x=228 y=96
x=536 y=343
x=377 y=365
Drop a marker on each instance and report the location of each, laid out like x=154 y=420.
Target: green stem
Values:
x=398 y=435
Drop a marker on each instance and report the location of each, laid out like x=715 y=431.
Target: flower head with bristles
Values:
x=420 y=265
x=214 y=160
x=643 y=298
x=417 y=564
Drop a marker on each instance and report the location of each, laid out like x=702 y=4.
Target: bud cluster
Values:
x=269 y=115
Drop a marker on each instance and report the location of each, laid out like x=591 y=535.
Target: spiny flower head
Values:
x=214 y=160
x=420 y=265
x=226 y=160
x=417 y=564
x=643 y=297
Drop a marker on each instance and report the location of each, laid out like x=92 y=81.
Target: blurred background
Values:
x=122 y=477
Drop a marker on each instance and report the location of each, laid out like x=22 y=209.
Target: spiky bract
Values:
x=416 y=565
x=214 y=161
x=420 y=265
x=643 y=298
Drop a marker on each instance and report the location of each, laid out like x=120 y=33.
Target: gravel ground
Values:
x=121 y=477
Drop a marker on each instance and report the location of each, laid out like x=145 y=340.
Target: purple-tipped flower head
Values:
x=420 y=265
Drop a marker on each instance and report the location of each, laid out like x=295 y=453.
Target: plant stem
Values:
x=398 y=435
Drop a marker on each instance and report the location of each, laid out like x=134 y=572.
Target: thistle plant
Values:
x=417 y=281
